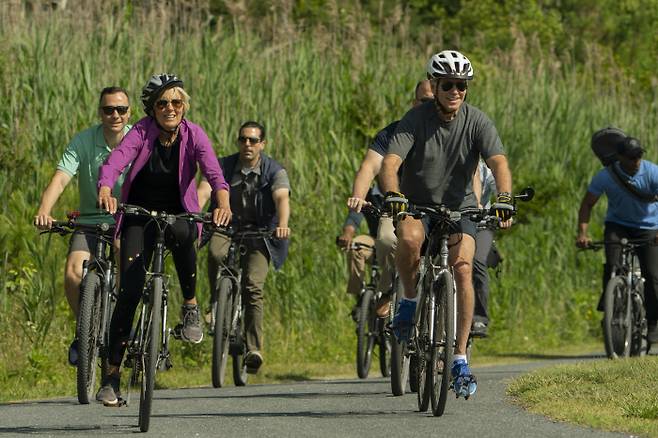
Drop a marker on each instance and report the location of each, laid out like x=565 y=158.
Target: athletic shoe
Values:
x=191 y=330
x=403 y=320
x=253 y=360
x=109 y=392
x=463 y=382
x=479 y=329
x=73 y=353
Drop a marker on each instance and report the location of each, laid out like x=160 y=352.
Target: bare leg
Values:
x=461 y=259
x=411 y=235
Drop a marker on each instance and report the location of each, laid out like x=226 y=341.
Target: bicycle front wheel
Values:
x=364 y=339
x=423 y=352
x=151 y=352
x=87 y=334
x=617 y=324
x=442 y=350
x=221 y=309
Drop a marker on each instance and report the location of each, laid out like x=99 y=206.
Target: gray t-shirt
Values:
x=440 y=158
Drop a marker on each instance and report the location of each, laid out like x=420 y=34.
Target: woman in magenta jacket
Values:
x=163 y=150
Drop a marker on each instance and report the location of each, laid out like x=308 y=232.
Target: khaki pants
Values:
x=385 y=246
x=255 y=265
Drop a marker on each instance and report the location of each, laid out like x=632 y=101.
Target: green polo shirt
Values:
x=83 y=156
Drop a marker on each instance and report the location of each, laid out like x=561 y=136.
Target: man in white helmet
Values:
x=440 y=143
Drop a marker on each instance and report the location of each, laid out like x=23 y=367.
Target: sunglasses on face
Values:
x=252 y=140
x=447 y=86
x=164 y=103
x=109 y=110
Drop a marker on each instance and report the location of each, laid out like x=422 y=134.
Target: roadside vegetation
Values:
x=619 y=395
x=323 y=85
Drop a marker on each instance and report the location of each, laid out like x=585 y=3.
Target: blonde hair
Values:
x=184 y=97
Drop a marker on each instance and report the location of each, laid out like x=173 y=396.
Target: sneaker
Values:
x=191 y=330
x=109 y=392
x=479 y=329
x=73 y=353
x=383 y=306
x=463 y=382
x=403 y=320
x=253 y=360
x=652 y=333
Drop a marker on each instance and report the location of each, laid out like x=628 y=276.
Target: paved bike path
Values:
x=335 y=408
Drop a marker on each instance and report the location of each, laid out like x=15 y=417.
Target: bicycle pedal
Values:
x=177 y=332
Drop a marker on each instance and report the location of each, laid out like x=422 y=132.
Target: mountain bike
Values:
x=148 y=347
x=97 y=298
x=435 y=320
x=624 y=318
x=370 y=328
x=227 y=309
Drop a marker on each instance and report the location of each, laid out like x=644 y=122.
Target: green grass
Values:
x=610 y=395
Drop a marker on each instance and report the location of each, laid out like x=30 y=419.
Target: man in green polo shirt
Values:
x=83 y=156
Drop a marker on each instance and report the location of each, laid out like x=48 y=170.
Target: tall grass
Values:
x=321 y=98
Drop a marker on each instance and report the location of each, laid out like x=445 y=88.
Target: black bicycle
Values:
x=624 y=317
x=370 y=328
x=227 y=309
x=97 y=298
x=148 y=348
x=434 y=335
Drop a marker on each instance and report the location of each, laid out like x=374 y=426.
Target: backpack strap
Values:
x=626 y=184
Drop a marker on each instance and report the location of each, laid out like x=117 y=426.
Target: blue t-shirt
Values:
x=624 y=208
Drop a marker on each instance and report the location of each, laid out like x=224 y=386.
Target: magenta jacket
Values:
x=137 y=146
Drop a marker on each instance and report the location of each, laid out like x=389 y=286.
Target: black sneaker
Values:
x=191 y=330
x=109 y=392
x=253 y=360
x=73 y=353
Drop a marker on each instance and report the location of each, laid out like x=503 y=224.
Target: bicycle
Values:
x=435 y=323
x=227 y=309
x=97 y=298
x=148 y=347
x=370 y=328
x=624 y=317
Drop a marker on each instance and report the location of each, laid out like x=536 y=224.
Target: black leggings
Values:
x=137 y=245
x=648 y=255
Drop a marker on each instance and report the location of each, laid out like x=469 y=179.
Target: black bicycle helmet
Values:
x=155 y=86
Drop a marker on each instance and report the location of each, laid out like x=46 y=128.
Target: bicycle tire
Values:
x=364 y=340
x=423 y=352
x=639 y=341
x=385 y=352
x=399 y=359
x=443 y=346
x=222 y=311
x=240 y=375
x=617 y=318
x=413 y=373
x=151 y=353
x=87 y=335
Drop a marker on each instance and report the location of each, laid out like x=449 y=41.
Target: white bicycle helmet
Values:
x=155 y=86
x=449 y=64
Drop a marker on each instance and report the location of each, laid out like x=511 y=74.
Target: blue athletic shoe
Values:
x=463 y=382
x=403 y=320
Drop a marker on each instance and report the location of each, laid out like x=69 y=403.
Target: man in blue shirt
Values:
x=628 y=217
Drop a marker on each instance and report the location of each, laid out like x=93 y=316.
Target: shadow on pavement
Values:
x=65 y=430
x=549 y=356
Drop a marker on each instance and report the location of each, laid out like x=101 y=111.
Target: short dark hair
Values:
x=252 y=124
x=112 y=90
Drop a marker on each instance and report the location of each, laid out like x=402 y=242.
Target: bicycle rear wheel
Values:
x=423 y=352
x=399 y=357
x=239 y=347
x=150 y=353
x=364 y=335
x=87 y=335
x=221 y=309
x=385 y=341
x=444 y=342
x=617 y=324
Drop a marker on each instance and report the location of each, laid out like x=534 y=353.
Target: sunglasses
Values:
x=109 y=110
x=447 y=86
x=252 y=140
x=164 y=103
